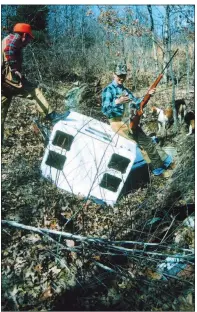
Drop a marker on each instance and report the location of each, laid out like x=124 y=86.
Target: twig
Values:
x=105 y=267
x=168 y=229
x=42 y=231
x=127 y=250
x=177 y=278
x=7 y=232
x=137 y=243
x=153 y=245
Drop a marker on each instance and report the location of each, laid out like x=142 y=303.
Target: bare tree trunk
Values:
x=56 y=23
x=173 y=98
x=122 y=45
x=166 y=41
x=153 y=39
x=83 y=32
x=169 y=47
x=188 y=66
x=133 y=67
x=178 y=74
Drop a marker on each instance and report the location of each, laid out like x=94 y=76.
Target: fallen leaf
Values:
x=153 y=275
x=98 y=258
x=55 y=270
x=33 y=238
x=53 y=226
x=35 y=129
x=70 y=243
x=38 y=268
x=46 y=294
x=79 y=263
x=187 y=272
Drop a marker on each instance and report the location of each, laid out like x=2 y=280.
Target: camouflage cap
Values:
x=120 y=69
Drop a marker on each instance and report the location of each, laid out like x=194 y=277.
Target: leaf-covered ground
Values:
x=50 y=272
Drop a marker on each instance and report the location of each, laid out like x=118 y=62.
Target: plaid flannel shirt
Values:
x=12 y=51
x=110 y=94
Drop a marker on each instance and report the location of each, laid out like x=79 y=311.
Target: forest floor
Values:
x=53 y=273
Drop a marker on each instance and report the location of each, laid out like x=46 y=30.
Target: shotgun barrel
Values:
x=134 y=122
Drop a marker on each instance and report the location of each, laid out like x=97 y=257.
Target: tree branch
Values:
x=105 y=244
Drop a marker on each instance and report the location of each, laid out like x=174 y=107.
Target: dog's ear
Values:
x=169 y=112
x=153 y=109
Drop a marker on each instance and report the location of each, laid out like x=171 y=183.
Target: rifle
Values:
x=135 y=120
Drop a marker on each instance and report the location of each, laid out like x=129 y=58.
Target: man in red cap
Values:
x=12 y=80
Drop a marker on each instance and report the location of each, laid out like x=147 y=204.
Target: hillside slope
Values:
x=49 y=272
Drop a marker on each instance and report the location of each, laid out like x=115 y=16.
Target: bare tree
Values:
x=152 y=36
x=187 y=65
x=7 y=11
x=166 y=39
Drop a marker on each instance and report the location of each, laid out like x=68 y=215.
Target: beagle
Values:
x=164 y=117
x=180 y=107
x=190 y=121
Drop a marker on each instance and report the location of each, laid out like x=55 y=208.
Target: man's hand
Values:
x=18 y=74
x=151 y=91
x=122 y=100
